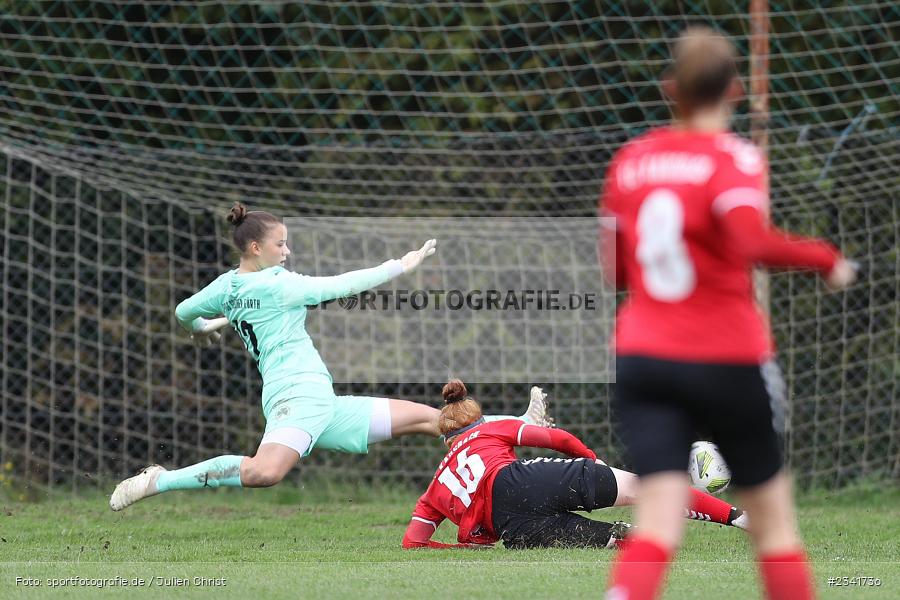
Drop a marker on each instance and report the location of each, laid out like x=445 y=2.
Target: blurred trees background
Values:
x=129 y=128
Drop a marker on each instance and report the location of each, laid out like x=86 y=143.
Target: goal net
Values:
x=127 y=129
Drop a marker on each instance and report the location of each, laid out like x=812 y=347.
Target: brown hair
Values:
x=249 y=226
x=703 y=67
x=459 y=410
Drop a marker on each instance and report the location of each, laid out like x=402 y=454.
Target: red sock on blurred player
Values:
x=787 y=576
x=639 y=571
x=704 y=505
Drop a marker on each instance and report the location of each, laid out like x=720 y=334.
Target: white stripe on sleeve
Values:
x=432 y=523
x=519 y=436
x=742 y=196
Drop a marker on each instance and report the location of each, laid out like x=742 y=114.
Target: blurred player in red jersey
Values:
x=690 y=205
x=491 y=495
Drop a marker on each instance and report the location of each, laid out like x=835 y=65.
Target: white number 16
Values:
x=470 y=470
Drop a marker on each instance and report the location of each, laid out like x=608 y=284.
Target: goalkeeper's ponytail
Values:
x=459 y=410
x=249 y=226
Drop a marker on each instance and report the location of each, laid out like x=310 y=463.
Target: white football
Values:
x=707 y=468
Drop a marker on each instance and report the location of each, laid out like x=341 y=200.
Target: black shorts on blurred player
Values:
x=662 y=407
x=532 y=500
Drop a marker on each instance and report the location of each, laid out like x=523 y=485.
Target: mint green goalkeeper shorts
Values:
x=338 y=423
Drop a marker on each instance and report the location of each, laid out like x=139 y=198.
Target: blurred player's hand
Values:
x=201 y=325
x=413 y=259
x=206 y=331
x=842 y=275
x=205 y=340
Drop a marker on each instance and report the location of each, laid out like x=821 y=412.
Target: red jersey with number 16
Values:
x=464 y=482
x=462 y=486
x=690 y=214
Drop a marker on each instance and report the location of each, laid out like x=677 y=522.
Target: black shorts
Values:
x=662 y=407
x=532 y=500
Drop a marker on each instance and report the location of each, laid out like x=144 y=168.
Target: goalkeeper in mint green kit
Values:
x=266 y=305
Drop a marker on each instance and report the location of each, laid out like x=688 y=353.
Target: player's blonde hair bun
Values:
x=459 y=410
x=454 y=391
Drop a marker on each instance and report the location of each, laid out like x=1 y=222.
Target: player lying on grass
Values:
x=490 y=495
x=266 y=304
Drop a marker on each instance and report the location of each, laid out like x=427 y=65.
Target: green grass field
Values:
x=314 y=543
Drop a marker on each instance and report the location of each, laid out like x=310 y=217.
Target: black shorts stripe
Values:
x=777 y=391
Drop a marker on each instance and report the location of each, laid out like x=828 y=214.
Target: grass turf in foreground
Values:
x=290 y=543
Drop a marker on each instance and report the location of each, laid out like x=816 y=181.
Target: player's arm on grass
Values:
x=423 y=524
x=303 y=290
x=553 y=439
x=418 y=535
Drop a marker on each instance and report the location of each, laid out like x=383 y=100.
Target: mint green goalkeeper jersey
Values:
x=268 y=309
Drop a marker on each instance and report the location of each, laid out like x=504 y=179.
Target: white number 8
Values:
x=666 y=268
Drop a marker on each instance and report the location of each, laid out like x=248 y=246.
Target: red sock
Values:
x=638 y=571
x=708 y=508
x=787 y=576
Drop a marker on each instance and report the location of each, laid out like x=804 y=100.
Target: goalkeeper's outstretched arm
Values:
x=302 y=290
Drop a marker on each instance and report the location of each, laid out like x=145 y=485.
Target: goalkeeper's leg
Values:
x=271 y=463
x=410 y=418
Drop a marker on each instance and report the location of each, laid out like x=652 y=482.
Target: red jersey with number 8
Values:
x=462 y=486
x=691 y=291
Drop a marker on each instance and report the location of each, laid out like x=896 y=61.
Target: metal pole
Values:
x=759 y=133
x=759 y=73
x=759 y=107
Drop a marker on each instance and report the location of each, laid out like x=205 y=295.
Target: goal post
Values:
x=128 y=129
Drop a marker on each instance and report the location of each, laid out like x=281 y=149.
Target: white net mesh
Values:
x=129 y=127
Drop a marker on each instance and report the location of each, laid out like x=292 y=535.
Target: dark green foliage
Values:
x=128 y=127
